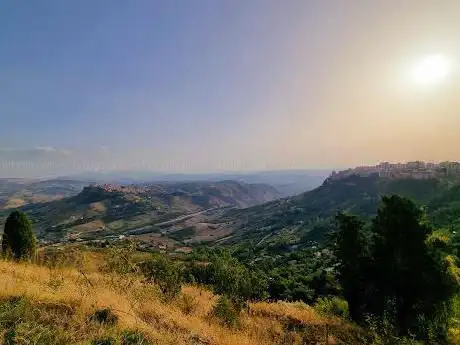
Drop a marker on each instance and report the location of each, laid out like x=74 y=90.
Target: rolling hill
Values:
x=106 y=210
x=15 y=192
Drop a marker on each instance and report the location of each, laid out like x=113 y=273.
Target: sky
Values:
x=227 y=85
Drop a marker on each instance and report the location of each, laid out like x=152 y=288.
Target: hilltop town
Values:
x=415 y=170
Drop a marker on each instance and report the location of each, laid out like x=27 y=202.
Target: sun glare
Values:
x=431 y=69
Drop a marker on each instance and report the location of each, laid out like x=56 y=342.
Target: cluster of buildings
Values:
x=415 y=170
x=131 y=188
x=122 y=188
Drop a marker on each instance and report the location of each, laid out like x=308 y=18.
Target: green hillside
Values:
x=308 y=216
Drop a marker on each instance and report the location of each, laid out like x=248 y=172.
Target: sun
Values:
x=431 y=69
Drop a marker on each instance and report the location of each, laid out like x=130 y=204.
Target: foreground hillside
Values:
x=42 y=305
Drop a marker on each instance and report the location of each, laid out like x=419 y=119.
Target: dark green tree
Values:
x=18 y=237
x=407 y=279
x=414 y=286
x=351 y=250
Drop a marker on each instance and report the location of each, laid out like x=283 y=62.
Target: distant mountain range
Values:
x=16 y=192
x=288 y=182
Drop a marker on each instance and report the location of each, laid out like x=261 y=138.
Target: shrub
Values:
x=134 y=338
x=120 y=259
x=226 y=312
x=104 y=316
x=58 y=257
x=187 y=304
x=165 y=273
x=18 y=238
x=332 y=306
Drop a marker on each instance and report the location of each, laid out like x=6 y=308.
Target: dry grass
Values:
x=21 y=200
x=66 y=297
x=292 y=312
x=97 y=207
x=14 y=203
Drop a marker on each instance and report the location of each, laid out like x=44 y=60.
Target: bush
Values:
x=165 y=273
x=332 y=306
x=187 y=304
x=120 y=259
x=227 y=312
x=59 y=257
x=104 y=316
x=134 y=338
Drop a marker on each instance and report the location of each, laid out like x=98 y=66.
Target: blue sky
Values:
x=210 y=85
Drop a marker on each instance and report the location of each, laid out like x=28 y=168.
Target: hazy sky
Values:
x=205 y=85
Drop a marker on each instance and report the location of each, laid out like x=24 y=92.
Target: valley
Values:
x=109 y=212
x=177 y=215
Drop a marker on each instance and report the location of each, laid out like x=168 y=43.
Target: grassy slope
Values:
x=52 y=306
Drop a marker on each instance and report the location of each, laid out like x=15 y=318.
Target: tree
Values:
x=402 y=274
x=18 y=237
x=413 y=285
x=351 y=250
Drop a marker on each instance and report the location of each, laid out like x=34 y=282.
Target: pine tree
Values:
x=402 y=274
x=18 y=238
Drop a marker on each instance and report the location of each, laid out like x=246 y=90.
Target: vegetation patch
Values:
x=105 y=317
x=133 y=337
x=226 y=312
x=183 y=234
x=332 y=306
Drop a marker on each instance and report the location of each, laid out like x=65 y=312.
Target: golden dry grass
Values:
x=294 y=312
x=97 y=207
x=14 y=203
x=21 y=200
x=138 y=305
